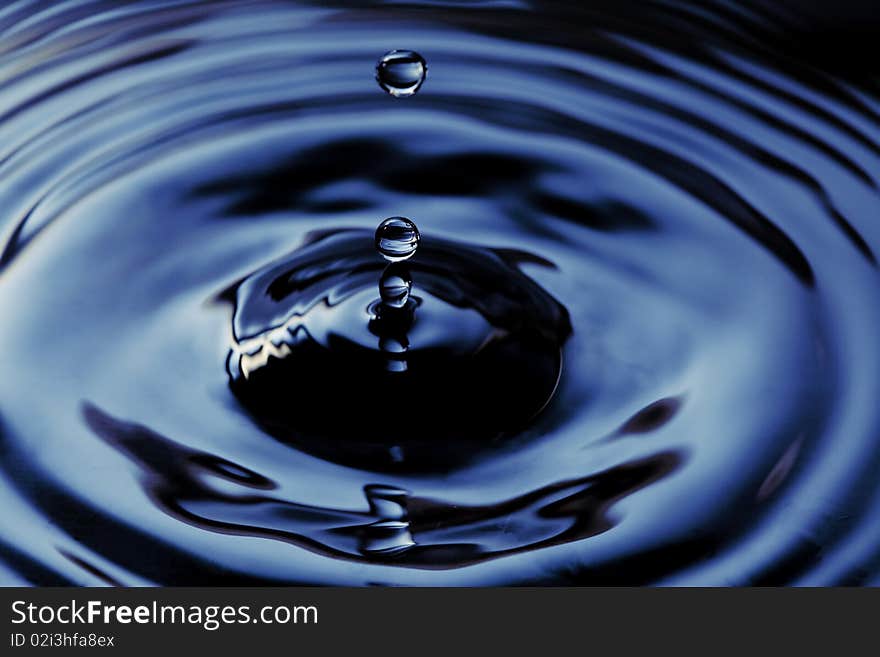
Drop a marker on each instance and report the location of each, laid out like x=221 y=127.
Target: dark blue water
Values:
x=639 y=347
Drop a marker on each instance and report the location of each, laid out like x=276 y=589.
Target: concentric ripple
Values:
x=693 y=210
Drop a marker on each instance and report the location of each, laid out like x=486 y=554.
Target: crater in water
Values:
x=433 y=377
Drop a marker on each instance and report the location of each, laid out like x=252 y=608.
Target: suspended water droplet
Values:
x=397 y=238
x=401 y=72
x=395 y=285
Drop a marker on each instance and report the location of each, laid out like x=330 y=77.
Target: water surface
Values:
x=667 y=220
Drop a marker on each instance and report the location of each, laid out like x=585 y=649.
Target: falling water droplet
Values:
x=395 y=285
x=401 y=72
x=397 y=238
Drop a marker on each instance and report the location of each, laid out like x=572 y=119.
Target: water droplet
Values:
x=401 y=72
x=397 y=238
x=395 y=285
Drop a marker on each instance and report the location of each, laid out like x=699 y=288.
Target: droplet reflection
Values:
x=395 y=285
